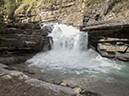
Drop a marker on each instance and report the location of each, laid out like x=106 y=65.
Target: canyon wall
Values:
x=108 y=35
x=68 y=12
x=106 y=22
x=24 y=38
x=109 y=38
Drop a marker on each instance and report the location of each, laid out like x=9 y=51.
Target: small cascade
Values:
x=69 y=57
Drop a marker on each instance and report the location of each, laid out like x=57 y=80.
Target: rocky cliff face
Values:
x=107 y=35
x=110 y=38
x=68 y=12
x=24 y=38
x=105 y=20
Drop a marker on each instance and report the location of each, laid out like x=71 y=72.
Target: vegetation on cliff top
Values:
x=10 y=7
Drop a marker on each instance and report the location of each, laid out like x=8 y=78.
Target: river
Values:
x=70 y=58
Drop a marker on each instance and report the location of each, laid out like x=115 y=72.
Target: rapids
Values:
x=70 y=58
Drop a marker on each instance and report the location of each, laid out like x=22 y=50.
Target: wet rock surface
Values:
x=92 y=86
x=88 y=86
x=16 y=83
x=20 y=80
x=9 y=60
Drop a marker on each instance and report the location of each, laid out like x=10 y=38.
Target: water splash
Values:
x=70 y=56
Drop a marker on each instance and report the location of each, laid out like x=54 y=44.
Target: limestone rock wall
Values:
x=107 y=24
x=24 y=38
x=68 y=12
x=110 y=38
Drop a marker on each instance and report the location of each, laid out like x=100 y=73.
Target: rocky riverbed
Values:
x=19 y=80
x=16 y=83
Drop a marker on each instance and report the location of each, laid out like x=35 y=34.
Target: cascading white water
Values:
x=70 y=57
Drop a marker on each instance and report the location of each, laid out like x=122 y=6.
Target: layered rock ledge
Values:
x=109 y=38
x=23 y=38
x=15 y=83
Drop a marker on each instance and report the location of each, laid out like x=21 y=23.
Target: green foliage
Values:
x=1 y=18
x=7 y=7
x=117 y=15
x=90 y=12
x=47 y=4
x=40 y=6
x=60 y=9
x=22 y=8
x=2 y=38
x=2 y=28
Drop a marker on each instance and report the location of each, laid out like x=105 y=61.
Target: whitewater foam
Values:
x=69 y=55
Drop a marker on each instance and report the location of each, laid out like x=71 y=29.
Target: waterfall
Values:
x=68 y=38
x=70 y=56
